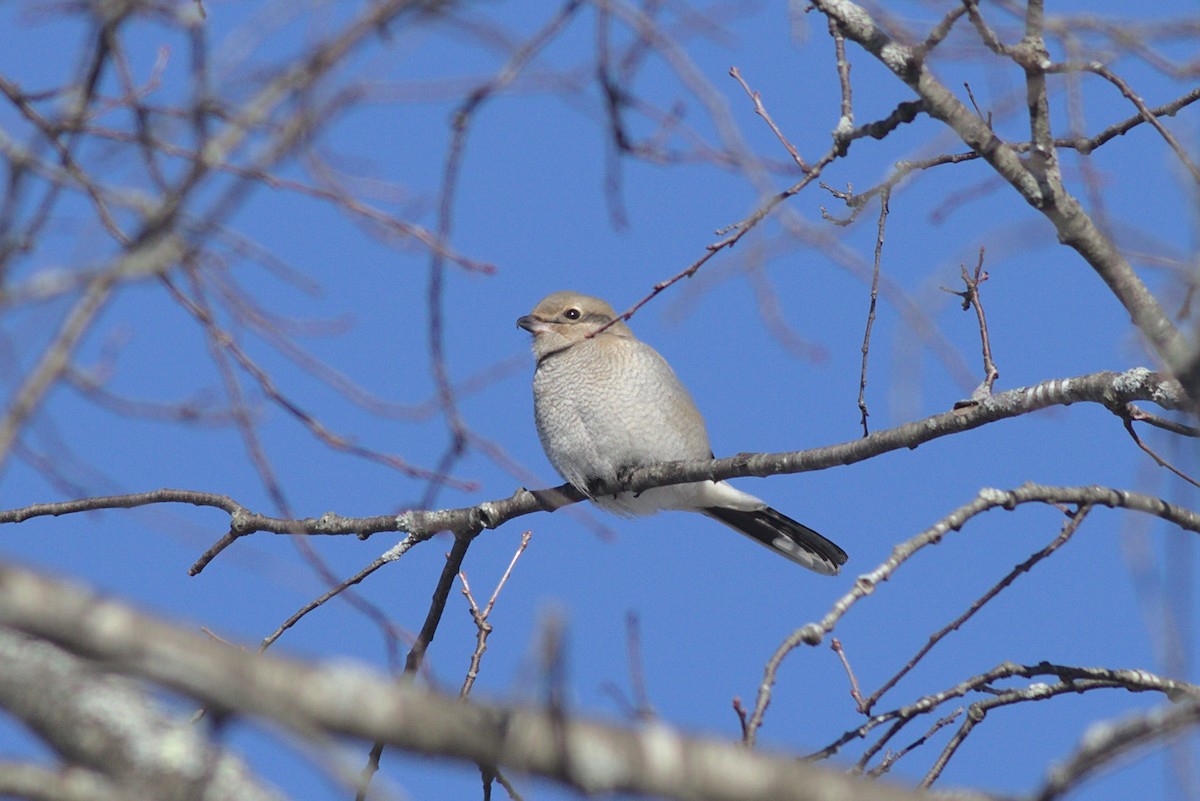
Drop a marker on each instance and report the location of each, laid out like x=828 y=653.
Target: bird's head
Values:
x=566 y=318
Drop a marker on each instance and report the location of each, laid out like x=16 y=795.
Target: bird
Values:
x=606 y=403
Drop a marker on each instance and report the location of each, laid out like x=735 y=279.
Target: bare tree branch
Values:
x=812 y=634
x=106 y=724
x=1108 y=741
x=1039 y=187
x=1113 y=390
x=354 y=702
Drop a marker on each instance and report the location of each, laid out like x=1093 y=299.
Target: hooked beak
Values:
x=531 y=324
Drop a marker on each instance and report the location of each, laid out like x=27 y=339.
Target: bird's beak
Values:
x=531 y=324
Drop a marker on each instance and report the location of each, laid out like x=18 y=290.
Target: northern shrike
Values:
x=609 y=403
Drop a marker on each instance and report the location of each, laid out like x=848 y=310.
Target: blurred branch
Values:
x=111 y=731
x=56 y=358
x=355 y=702
x=159 y=243
x=36 y=783
x=1104 y=743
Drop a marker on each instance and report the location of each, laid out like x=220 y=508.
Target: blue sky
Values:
x=532 y=201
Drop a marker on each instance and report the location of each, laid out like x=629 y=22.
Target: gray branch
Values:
x=353 y=701
x=1036 y=178
x=119 y=742
x=1112 y=390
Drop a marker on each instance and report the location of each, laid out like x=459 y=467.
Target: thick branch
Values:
x=35 y=783
x=355 y=702
x=1075 y=228
x=113 y=735
x=1113 y=390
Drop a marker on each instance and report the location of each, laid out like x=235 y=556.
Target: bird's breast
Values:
x=601 y=409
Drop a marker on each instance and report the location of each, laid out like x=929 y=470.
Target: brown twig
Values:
x=1083 y=145
x=483 y=631
x=970 y=297
x=643 y=709
x=866 y=345
x=393 y=634
x=740 y=711
x=1160 y=461
x=836 y=646
x=1141 y=415
x=480 y=616
x=895 y=756
x=978 y=712
x=1145 y=112
x=761 y=110
x=1090 y=144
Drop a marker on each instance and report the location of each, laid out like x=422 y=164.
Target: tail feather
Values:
x=785 y=536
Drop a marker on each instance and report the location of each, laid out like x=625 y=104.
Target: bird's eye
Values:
x=572 y=314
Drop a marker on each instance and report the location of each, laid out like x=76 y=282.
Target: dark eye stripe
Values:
x=598 y=317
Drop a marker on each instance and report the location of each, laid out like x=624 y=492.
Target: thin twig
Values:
x=970 y=297
x=416 y=654
x=855 y=693
x=1074 y=521
x=893 y=757
x=643 y=709
x=812 y=634
x=1141 y=415
x=1145 y=112
x=1153 y=455
x=761 y=110
x=846 y=120
x=866 y=345
x=740 y=711
x=480 y=616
